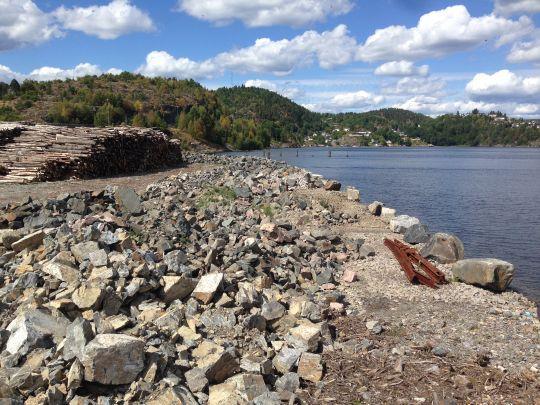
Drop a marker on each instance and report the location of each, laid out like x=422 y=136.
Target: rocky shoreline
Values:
x=247 y=282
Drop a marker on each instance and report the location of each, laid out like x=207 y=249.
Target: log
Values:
x=47 y=153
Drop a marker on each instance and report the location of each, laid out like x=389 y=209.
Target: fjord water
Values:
x=489 y=197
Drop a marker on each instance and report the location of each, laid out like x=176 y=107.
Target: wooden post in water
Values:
x=329 y=153
x=296 y=152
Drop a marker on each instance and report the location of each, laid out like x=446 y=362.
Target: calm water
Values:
x=489 y=197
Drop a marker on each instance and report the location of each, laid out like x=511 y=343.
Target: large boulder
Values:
x=416 y=234
x=443 y=248
x=401 y=223
x=113 y=359
x=492 y=274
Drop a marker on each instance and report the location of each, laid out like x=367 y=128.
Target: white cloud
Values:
x=527 y=109
x=329 y=49
x=504 y=86
x=285 y=90
x=110 y=21
x=22 y=23
x=507 y=7
x=439 y=33
x=523 y=52
x=354 y=101
x=7 y=75
x=54 y=73
x=114 y=71
x=401 y=68
x=259 y=13
x=416 y=86
x=160 y=63
x=435 y=106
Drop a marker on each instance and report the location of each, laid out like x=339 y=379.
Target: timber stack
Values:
x=30 y=153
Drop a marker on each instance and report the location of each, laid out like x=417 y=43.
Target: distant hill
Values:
x=289 y=122
x=242 y=117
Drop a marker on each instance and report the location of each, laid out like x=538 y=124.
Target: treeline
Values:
x=477 y=129
x=242 y=117
x=245 y=118
x=474 y=129
x=278 y=117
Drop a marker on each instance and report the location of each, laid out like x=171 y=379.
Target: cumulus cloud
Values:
x=507 y=7
x=401 y=68
x=329 y=49
x=54 y=73
x=285 y=90
x=6 y=74
x=523 y=52
x=161 y=63
x=416 y=86
x=441 y=32
x=110 y=21
x=437 y=106
x=504 y=86
x=260 y=13
x=22 y=23
x=354 y=101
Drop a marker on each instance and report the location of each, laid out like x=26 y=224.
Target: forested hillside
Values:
x=242 y=117
x=287 y=121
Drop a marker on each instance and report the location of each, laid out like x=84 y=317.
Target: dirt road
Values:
x=18 y=192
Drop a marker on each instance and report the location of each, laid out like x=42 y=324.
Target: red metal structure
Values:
x=416 y=267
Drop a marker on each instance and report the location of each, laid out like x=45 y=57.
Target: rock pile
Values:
x=190 y=293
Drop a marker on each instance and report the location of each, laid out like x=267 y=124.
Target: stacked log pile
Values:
x=31 y=153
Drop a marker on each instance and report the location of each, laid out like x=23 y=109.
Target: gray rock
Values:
x=286 y=359
x=196 y=380
x=9 y=236
x=177 y=395
x=268 y=398
x=416 y=234
x=175 y=261
x=288 y=382
x=82 y=250
x=78 y=334
x=439 y=351
x=272 y=310
x=443 y=248
x=353 y=194
x=128 y=200
x=375 y=208
x=98 y=258
x=33 y=329
x=401 y=223
x=62 y=267
x=113 y=359
x=366 y=251
x=492 y=274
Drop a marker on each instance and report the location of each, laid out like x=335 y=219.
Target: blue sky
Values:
x=429 y=56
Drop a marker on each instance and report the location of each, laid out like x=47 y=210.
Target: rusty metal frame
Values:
x=415 y=266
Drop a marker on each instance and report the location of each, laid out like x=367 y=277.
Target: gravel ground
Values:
x=18 y=192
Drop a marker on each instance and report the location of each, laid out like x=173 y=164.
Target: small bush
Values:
x=216 y=195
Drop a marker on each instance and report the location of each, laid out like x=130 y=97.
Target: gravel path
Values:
x=18 y=192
